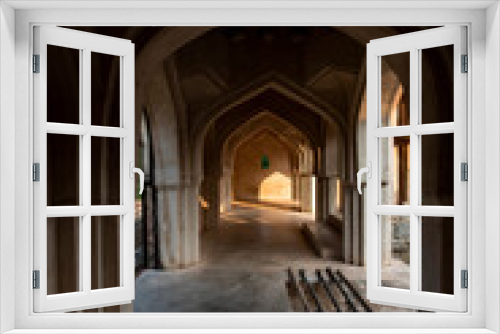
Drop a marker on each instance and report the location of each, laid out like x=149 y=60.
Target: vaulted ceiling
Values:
x=325 y=62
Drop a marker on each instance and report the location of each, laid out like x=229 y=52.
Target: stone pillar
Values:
x=306 y=193
x=225 y=190
x=169 y=219
x=302 y=197
x=332 y=194
x=212 y=212
x=229 y=192
x=357 y=234
x=191 y=229
x=294 y=185
x=362 y=228
x=297 y=188
x=354 y=229
x=347 y=214
x=311 y=194
x=178 y=218
x=322 y=198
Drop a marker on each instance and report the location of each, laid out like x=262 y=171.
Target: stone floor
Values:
x=243 y=267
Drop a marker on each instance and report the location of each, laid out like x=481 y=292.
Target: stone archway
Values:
x=290 y=137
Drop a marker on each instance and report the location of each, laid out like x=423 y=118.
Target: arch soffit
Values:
x=293 y=150
x=268 y=82
x=270 y=132
x=200 y=135
x=292 y=147
x=271 y=81
x=288 y=133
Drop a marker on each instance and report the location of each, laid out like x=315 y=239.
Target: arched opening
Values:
x=275 y=181
x=263 y=170
x=263 y=127
x=268 y=124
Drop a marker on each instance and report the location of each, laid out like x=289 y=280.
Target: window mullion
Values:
x=414 y=169
x=85 y=164
x=81 y=225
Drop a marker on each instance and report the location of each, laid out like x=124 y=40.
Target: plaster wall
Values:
x=251 y=181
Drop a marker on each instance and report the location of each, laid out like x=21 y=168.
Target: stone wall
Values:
x=251 y=181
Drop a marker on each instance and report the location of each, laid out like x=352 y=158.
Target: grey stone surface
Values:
x=211 y=290
x=243 y=267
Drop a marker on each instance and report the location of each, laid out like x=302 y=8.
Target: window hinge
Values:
x=465 y=63
x=36 y=172
x=36 y=63
x=464 y=279
x=36 y=279
x=464 y=172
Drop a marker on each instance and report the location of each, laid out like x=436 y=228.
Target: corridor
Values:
x=250 y=139
x=243 y=268
x=258 y=237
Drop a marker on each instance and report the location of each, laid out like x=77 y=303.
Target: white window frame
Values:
x=484 y=48
x=85 y=297
x=412 y=44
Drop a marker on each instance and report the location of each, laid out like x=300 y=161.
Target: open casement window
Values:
x=416 y=144
x=84 y=170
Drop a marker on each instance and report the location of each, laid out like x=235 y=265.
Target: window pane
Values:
x=105 y=246
x=63 y=85
x=395 y=89
x=437 y=254
x=437 y=84
x=63 y=247
x=395 y=170
x=105 y=171
x=105 y=94
x=63 y=170
x=437 y=169
x=395 y=251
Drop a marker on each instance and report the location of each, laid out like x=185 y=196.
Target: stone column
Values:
x=354 y=229
x=322 y=198
x=306 y=193
x=347 y=214
x=169 y=219
x=225 y=190
x=211 y=191
x=178 y=218
x=362 y=228
x=294 y=185
x=297 y=188
x=357 y=233
x=191 y=228
x=332 y=194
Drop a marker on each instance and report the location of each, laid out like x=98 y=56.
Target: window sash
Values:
x=413 y=43
x=85 y=298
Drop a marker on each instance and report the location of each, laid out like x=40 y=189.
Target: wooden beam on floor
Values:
x=354 y=292
x=328 y=291
x=347 y=297
x=293 y=283
x=310 y=289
